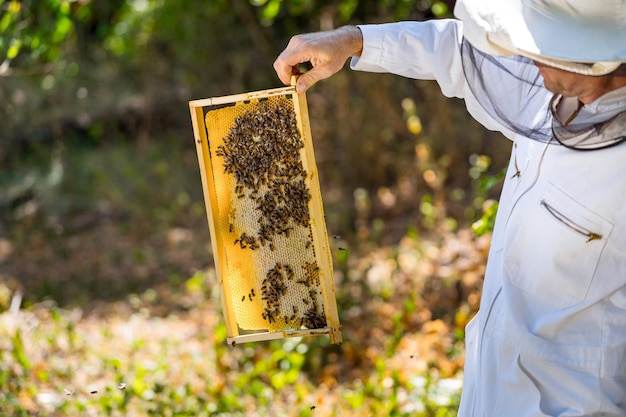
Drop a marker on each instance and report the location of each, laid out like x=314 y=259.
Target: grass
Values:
x=120 y=315
x=56 y=362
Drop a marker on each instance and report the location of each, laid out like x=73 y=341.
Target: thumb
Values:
x=306 y=80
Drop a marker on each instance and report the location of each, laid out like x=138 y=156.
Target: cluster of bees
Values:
x=262 y=153
x=312 y=319
x=275 y=287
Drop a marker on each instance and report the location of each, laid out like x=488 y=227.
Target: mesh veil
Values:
x=512 y=91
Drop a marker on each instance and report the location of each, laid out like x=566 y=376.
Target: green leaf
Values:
x=271 y=10
x=19 y=354
x=14 y=49
x=5 y=22
x=347 y=8
x=439 y=9
x=63 y=28
x=486 y=222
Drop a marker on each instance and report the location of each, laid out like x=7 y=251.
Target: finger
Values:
x=306 y=80
x=287 y=63
x=283 y=69
x=297 y=52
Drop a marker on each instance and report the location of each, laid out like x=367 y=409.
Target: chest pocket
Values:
x=553 y=251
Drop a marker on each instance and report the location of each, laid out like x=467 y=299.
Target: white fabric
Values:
x=560 y=33
x=550 y=338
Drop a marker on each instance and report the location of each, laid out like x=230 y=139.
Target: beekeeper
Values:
x=550 y=337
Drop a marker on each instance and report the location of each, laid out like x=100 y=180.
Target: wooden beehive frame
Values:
x=199 y=110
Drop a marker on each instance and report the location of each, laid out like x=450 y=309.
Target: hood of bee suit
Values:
x=581 y=36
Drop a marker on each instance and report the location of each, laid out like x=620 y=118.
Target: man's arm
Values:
x=428 y=50
x=421 y=50
x=425 y=50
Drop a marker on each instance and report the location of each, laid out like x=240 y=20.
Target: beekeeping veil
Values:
x=502 y=38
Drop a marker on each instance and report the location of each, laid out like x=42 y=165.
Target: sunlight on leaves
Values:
x=347 y=9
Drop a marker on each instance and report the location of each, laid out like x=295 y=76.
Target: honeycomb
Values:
x=266 y=211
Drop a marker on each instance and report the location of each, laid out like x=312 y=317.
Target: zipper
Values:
x=571 y=224
x=532 y=182
x=517 y=173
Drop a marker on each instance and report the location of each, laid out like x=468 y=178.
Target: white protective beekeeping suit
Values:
x=550 y=337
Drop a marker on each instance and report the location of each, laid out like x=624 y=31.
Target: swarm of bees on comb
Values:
x=262 y=153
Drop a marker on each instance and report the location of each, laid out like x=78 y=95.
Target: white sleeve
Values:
x=429 y=50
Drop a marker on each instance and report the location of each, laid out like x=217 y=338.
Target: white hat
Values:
x=566 y=34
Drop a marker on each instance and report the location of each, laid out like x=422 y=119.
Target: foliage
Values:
x=159 y=349
x=485 y=185
x=133 y=361
x=35 y=31
x=103 y=230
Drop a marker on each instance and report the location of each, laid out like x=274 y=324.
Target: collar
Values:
x=599 y=125
x=604 y=108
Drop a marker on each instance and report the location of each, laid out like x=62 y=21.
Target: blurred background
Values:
x=103 y=226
